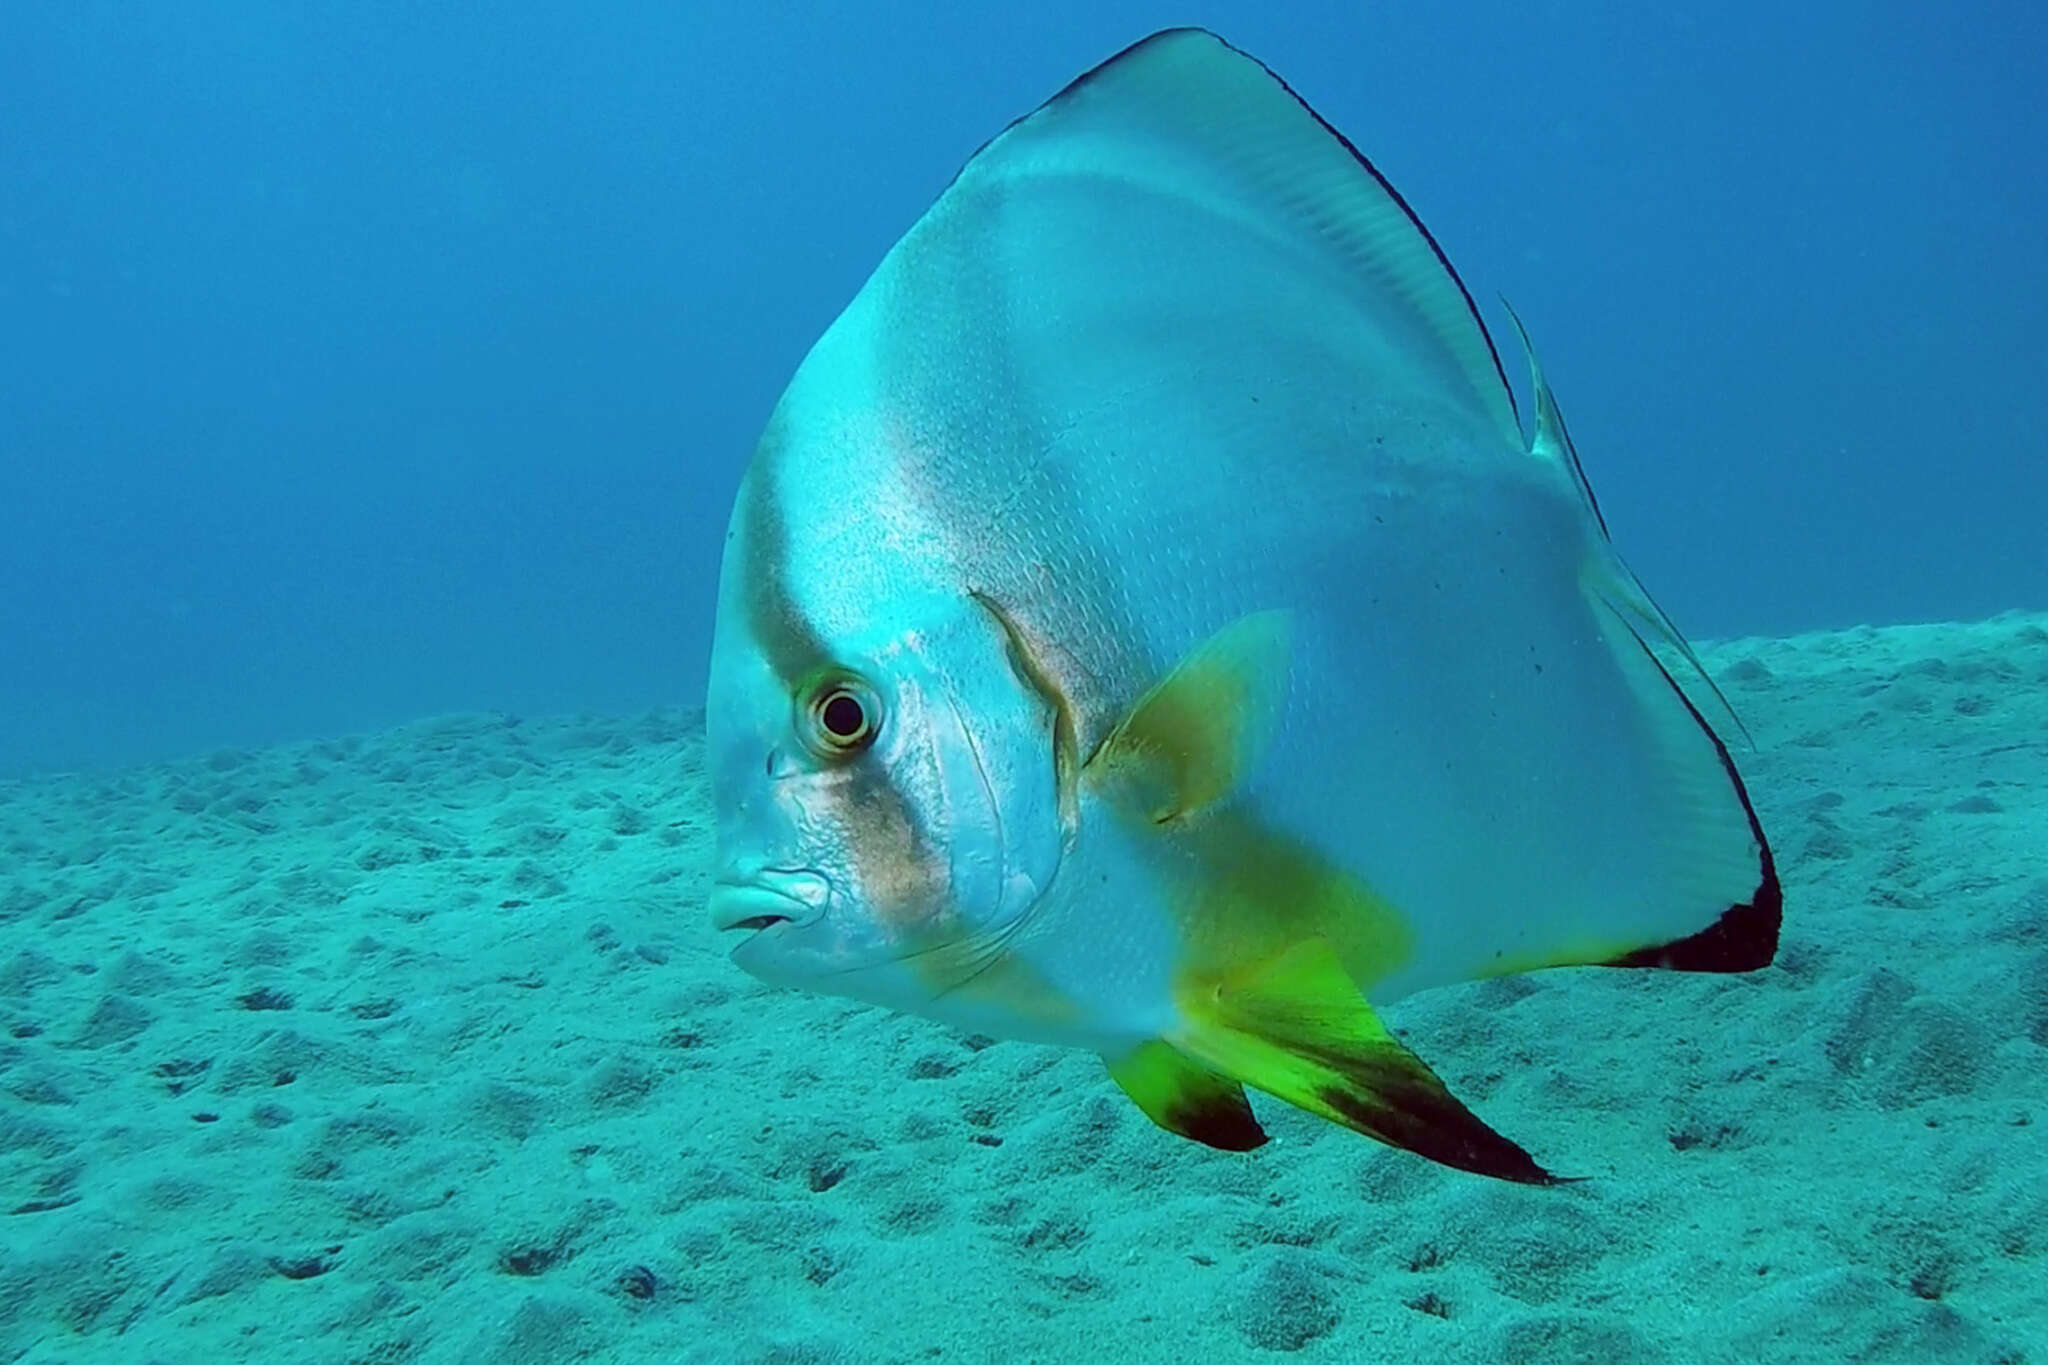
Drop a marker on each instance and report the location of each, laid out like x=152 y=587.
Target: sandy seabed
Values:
x=418 y=1046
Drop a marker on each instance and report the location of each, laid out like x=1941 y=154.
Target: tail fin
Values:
x=1617 y=585
x=1745 y=936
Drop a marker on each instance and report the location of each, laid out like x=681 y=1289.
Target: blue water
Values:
x=358 y=363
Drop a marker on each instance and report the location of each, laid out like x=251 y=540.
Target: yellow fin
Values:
x=1184 y=1097
x=1296 y=1027
x=1192 y=738
x=1254 y=893
x=981 y=971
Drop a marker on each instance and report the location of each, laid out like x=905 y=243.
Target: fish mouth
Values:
x=767 y=899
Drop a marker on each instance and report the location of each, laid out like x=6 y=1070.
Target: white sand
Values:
x=417 y=1047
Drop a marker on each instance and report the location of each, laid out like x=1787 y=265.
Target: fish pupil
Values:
x=843 y=717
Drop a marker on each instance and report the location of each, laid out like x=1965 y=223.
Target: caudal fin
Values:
x=1745 y=935
x=1724 y=906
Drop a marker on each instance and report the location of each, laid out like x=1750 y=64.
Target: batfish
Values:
x=1144 y=626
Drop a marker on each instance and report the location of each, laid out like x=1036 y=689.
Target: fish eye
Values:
x=843 y=716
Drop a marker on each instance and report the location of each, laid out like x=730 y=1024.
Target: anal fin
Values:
x=1182 y=1096
x=1297 y=1028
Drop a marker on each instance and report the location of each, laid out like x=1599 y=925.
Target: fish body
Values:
x=1144 y=626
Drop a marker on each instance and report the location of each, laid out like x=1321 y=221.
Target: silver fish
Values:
x=1144 y=627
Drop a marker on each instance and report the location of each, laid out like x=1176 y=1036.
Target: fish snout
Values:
x=761 y=898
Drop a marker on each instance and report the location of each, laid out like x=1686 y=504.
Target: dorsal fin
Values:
x=1552 y=441
x=1185 y=114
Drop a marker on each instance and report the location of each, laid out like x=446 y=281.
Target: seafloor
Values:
x=417 y=1046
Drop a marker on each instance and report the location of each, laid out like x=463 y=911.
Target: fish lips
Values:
x=767 y=901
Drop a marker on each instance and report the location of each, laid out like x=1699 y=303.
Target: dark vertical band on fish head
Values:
x=782 y=632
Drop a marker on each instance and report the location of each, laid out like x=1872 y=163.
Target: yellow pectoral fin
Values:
x=1187 y=1098
x=1296 y=1027
x=1192 y=738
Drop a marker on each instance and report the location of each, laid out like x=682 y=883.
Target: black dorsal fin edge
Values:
x=1365 y=163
